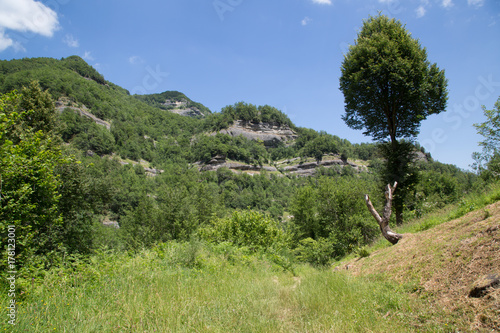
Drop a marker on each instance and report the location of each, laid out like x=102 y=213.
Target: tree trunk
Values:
x=383 y=221
x=399 y=214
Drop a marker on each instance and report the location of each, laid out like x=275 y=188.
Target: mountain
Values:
x=141 y=128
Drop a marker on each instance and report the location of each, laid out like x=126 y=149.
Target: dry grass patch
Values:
x=442 y=264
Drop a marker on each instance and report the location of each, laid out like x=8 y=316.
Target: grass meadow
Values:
x=194 y=287
x=199 y=287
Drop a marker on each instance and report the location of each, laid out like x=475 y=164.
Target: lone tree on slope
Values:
x=389 y=87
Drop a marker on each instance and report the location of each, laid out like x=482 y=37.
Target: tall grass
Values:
x=194 y=287
x=198 y=287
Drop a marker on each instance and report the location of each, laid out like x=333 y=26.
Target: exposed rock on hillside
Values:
x=310 y=168
x=293 y=166
x=182 y=107
x=63 y=103
x=151 y=172
x=269 y=133
x=175 y=102
x=220 y=162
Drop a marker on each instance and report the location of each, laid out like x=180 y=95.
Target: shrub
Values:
x=333 y=210
x=246 y=228
x=316 y=252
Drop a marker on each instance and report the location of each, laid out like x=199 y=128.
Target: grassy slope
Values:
x=441 y=264
x=419 y=285
x=148 y=294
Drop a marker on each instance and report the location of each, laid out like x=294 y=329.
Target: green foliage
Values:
x=70 y=193
x=399 y=167
x=82 y=197
x=319 y=146
x=159 y=101
x=335 y=210
x=136 y=126
x=79 y=65
x=29 y=186
x=238 y=148
x=318 y=252
x=246 y=228
x=85 y=134
x=304 y=210
x=247 y=113
x=45 y=192
x=362 y=252
x=38 y=108
x=487 y=162
x=388 y=84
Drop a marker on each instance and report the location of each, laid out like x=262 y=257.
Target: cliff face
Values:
x=270 y=134
x=292 y=167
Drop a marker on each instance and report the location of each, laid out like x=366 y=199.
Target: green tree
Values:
x=487 y=162
x=303 y=210
x=319 y=146
x=389 y=87
x=332 y=210
x=39 y=107
x=29 y=185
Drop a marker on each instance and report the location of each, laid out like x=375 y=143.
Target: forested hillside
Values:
x=129 y=161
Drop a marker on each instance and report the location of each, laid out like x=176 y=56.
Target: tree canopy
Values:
x=488 y=161
x=388 y=84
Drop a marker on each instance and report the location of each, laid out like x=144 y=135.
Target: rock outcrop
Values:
x=183 y=108
x=310 y=168
x=189 y=112
x=63 y=103
x=219 y=161
x=270 y=134
x=293 y=167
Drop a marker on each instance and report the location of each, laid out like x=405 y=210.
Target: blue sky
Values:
x=285 y=53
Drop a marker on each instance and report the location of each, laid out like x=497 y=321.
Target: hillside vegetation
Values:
x=419 y=285
x=171 y=222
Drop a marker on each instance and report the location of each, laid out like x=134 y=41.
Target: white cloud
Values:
x=322 y=2
x=28 y=15
x=134 y=60
x=71 y=41
x=386 y=1
x=25 y=16
x=5 y=41
x=476 y=3
x=88 y=56
x=447 y=3
x=305 y=21
x=420 y=11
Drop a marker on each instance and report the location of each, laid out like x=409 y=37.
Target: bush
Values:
x=333 y=210
x=246 y=228
x=316 y=252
